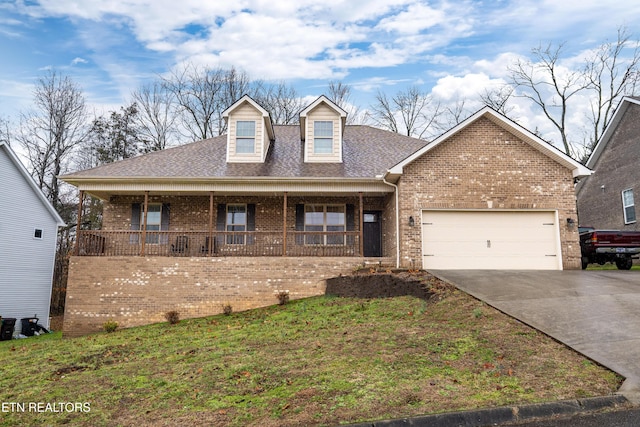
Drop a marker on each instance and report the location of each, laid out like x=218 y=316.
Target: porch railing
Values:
x=218 y=243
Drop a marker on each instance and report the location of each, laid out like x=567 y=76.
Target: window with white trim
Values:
x=628 y=206
x=322 y=137
x=245 y=137
x=323 y=218
x=236 y=221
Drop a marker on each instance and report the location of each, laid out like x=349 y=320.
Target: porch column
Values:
x=210 y=244
x=144 y=222
x=361 y=225
x=78 y=224
x=284 y=225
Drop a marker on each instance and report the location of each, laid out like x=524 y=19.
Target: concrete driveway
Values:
x=597 y=313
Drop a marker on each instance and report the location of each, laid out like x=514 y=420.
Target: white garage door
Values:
x=496 y=240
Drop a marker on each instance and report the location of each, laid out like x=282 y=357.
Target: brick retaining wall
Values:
x=135 y=291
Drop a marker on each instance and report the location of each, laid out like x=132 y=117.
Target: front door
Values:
x=372 y=233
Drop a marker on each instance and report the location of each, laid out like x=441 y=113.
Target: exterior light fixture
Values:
x=412 y=222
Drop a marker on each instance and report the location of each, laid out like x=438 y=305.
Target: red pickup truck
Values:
x=602 y=246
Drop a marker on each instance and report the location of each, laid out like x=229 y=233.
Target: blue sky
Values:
x=453 y=49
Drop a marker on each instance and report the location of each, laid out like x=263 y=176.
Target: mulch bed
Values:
x=419 y=284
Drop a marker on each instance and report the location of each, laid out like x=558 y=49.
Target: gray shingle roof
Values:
x=367 y=152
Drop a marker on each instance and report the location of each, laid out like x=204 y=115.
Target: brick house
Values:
x=606 y=200
x=266 y=209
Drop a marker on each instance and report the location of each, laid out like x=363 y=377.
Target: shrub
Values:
x=172 y=317
x=226 y=309
x=110 y=326
x=283 y=297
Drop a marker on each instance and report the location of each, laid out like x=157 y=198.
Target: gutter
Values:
x=395 y=190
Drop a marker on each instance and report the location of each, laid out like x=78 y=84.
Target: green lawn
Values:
x=609 y=266
x=318 y=361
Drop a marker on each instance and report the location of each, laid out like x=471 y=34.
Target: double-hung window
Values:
x=321 y=219
x=322 y=137
x=628 y=206
x=154 y=221
x=236 y=221
x=245 y=137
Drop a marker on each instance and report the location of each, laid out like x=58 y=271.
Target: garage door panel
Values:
x=490 y=240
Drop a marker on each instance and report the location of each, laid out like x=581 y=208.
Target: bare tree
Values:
x=202 y=94
x=411 y=111
x=550 y=86
x=611 y=76
x=198 y=93
x=383 y=113
x=5 y=133
x=281 y=100
x=52 y=132
x=340 y=94
x=235 y=85
x=453 y=114
x=497 y=98
x=155 y=119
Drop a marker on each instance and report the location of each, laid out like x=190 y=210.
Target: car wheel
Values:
x=624 y=263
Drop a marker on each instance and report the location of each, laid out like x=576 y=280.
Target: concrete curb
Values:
x=505 y=414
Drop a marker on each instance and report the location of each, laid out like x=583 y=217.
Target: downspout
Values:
x=395 y=190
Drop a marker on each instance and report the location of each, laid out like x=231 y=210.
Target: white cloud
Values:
x=282 y=39
x=468 y=86
x=416 y=18
x=460 y=48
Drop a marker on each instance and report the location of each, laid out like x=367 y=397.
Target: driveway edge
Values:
x=506 y=414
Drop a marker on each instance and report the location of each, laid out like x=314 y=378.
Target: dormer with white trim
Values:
x=249 y=131
x=321 y=128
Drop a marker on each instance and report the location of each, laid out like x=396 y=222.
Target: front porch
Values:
x=224 y=225
x=218 y=243
x=197 y=253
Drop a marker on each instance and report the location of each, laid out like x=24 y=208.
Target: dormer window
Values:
x=245 y=137
x=321 y=128
x=249 y=131
x=323 y=137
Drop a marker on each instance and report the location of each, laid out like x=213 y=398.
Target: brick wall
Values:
x=135 y=291
x=600 y=195
x=485 y=167
x=191 y=213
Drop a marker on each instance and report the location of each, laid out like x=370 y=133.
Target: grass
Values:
x=609 y=266
x=317 y=361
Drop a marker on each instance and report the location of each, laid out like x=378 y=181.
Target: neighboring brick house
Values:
x=266 y=208
x=606 y=200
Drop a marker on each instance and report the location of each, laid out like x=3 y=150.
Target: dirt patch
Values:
x=418 y=284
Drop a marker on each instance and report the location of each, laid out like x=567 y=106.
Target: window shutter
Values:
x=299 y=223
x=164 y=217
x=164 y=222
x=136 y=210
x=351 y=222
x=251 y=222
x=351 y=217
x=221 y=222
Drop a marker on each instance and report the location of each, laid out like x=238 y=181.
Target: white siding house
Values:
x=28 y=231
